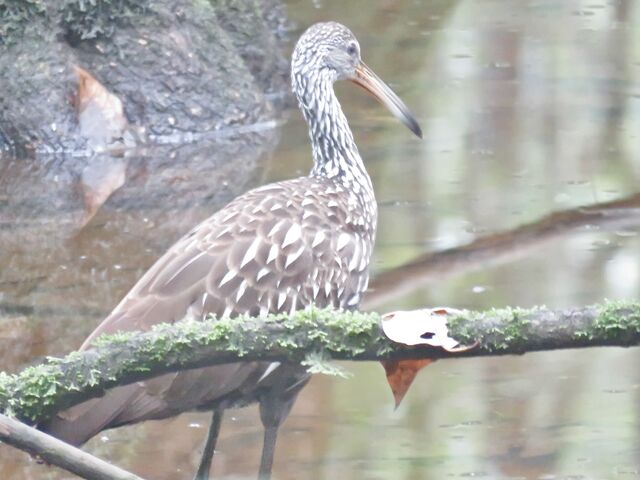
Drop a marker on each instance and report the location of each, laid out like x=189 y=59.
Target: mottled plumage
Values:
x=277 y=248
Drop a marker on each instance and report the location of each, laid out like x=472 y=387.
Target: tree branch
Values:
x=499 y=247
x=37 y=392
x=59 y=453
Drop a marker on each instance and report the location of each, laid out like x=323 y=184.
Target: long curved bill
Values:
x=368 y=80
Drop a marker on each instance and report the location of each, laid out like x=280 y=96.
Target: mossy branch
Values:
x=39 y=391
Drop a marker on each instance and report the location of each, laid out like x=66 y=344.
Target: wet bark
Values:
x=180 y=68
x=39 y=391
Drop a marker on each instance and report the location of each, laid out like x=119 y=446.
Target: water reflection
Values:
x=78 y=232
x=98 y=180
x=621 y=216
x=528 y=108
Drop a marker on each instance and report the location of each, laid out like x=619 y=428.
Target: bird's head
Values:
x=329 y=52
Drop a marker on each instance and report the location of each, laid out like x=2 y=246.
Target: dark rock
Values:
x=181 y=68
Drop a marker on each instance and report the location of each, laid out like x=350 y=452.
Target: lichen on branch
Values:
x=39 y=391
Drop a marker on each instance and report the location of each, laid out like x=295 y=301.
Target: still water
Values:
x=528 y=108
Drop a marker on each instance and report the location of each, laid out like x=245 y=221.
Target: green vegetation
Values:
x=616 y=321
x=312 y=337
x=87 y=19
x=502 y=330
x=77 y=19
x=16 y=14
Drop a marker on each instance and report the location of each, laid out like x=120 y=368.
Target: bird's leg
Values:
x=268 y=450
x=209 y=446
x=274 y=409
x=275 y=405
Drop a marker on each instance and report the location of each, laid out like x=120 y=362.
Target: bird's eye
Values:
x=352 y=49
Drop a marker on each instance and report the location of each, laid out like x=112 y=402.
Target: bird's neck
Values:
x=335 y=154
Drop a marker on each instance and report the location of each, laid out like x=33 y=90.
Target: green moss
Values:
x=312 y=337
x=512 y=328
x=502 y=329
x=616 y=321
x=317 y=362
x=77 y=19
x=16 y=14
x=462 y=328
x=35 y=387
x=89 y=19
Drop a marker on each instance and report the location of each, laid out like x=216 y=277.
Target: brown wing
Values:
x=275 y=249
x=271 y=250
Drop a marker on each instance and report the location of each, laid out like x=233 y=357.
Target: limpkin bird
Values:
x=278 y=248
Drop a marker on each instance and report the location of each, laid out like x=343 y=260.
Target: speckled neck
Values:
x=335 y=154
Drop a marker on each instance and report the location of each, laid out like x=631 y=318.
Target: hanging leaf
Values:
x=401 y=373
x=416 y=327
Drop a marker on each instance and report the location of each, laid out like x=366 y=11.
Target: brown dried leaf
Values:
x=400 y=375
x=417 y=327
x=98 y=181
x=100 y=113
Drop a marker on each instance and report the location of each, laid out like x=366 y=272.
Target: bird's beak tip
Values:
x=365 y=77
x=418 y=132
